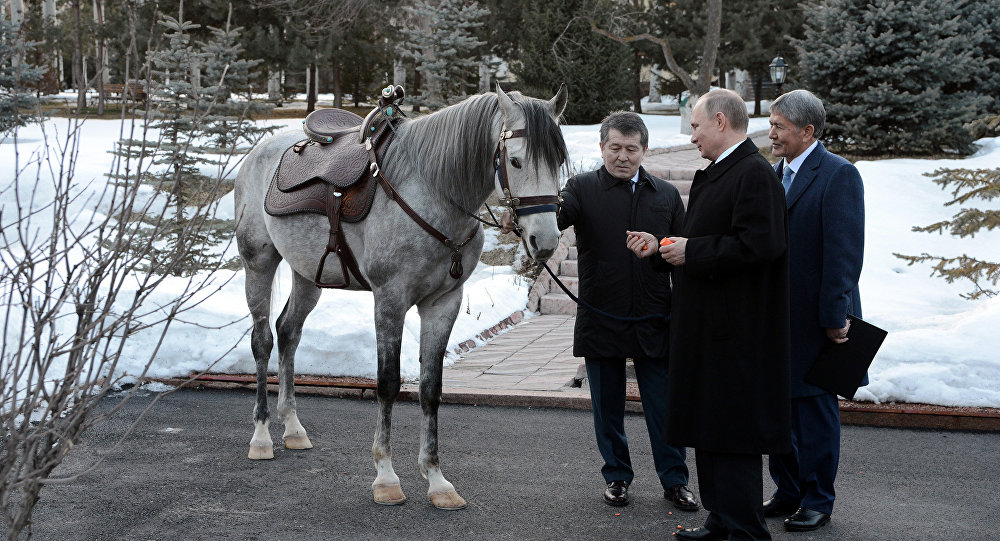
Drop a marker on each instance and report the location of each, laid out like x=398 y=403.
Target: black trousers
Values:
x=607 y=395
x=732 y=486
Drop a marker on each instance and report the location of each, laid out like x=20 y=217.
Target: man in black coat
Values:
x=602 y=205
x=728 y=394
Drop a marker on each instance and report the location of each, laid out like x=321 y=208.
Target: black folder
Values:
x=841 y=368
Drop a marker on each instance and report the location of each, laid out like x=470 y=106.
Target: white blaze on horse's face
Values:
x=526 y=178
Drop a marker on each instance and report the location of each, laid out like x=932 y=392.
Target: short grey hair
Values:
x=802 y=108
x=627 y=123
x=728 y=103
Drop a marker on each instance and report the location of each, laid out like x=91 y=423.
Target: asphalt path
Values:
x=527 y=473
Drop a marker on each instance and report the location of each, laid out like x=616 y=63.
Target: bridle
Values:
x=519 y=206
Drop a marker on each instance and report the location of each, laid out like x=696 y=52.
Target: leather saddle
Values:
x=328 y=174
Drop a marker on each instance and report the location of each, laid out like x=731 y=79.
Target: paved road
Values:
x=528 y=473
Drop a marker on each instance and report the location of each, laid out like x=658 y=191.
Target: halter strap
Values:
x=519 y=206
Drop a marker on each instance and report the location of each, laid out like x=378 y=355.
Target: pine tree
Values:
x=596 y=70
x=190 y=91
x=17 y=77
x=896 y=77
x=982 y=184
x=227 y=75
x=440 y=37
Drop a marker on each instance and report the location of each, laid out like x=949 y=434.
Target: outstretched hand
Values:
x=641 y=243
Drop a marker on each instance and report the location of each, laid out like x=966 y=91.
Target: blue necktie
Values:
x=786 y=177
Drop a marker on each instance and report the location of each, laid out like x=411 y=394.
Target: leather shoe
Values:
x=681 y=497
x=805 y=520
x=701 y=534
x=779 y=508
x=617 y=493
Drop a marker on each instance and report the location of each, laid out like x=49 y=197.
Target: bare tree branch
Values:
x=699 y=84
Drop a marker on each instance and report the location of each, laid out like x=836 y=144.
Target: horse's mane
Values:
x=453 y=148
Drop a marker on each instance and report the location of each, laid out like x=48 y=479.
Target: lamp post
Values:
x=778 y=71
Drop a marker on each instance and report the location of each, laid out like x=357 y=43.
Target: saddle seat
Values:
x=337 y=160
x=325 y=125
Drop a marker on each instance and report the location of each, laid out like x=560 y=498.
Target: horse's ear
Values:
x=506 y=104
x=558 y=103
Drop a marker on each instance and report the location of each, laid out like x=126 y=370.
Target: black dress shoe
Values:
x=779 y=508
x=681 y=497
x=701 y=534
x=805 y=520
x=617 y=493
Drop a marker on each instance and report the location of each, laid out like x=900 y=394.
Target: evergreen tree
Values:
x=440 y=37
x=17 y=77
x=178 y=144
x=226 y=75
x=596 y=70
x=897 y=78
x=982 y=184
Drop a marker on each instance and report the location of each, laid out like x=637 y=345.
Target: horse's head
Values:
x=530 y=153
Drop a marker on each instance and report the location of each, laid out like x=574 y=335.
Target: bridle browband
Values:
x=519 y=206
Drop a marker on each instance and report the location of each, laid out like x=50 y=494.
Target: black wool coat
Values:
x=601 y=208
x=729 y=369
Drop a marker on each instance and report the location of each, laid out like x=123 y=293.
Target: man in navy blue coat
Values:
x=826 y=213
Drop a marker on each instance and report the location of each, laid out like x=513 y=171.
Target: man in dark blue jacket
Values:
x=826 y=214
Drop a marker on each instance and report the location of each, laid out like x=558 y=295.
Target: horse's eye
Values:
x=515 y=162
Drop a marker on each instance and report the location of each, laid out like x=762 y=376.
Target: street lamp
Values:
x=778 y=71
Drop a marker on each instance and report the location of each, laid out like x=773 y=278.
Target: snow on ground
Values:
x=941 y=349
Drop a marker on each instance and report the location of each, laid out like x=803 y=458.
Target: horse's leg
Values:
x=389 y=314
x=260 y=260
x=303 y=299
x=436 y=321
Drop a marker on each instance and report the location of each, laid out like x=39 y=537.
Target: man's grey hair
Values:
x=802 y=108
x=627 y=123
x=730 y=104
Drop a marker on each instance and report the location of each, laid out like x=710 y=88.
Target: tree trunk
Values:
x=686 y=109
x=758 y=89
x=274 y=87
x=416 y=88
x=636 y=83
x=311 y=88
x=398 y=73
x=654 y=85
x=338 y=94
x=17 y=18
x=484 y=77
x=102 y=60
x=79 y=76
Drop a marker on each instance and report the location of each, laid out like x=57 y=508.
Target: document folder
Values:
x=841 y=368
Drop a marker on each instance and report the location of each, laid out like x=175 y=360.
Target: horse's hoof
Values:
x=298 y=442
x=389 y=494
x=449 y=500
x=261 y=452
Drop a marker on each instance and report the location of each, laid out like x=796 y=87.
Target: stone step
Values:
x=683 y=186
x=568 y=268
x=572 y=283
x=571 y=252
x=557 y=303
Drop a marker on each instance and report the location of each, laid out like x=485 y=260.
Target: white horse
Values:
x=443 y=165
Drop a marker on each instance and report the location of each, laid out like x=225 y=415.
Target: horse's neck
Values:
x=469 y=189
